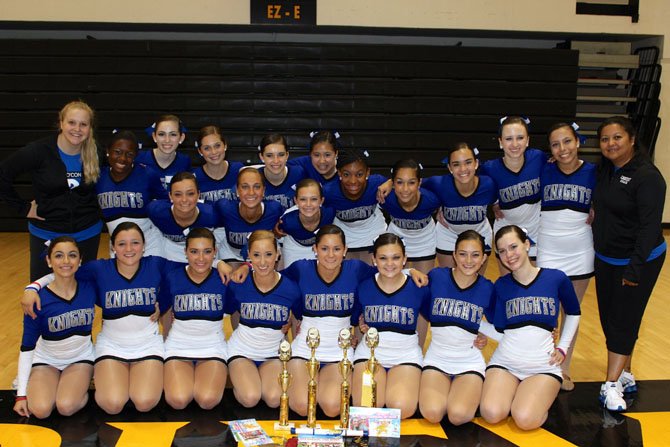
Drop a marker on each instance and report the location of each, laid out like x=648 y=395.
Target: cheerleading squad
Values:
x=302 y=243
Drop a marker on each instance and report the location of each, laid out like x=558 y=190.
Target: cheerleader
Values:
x=321 y=163
x=251 y=213
x=299 y=225
x=56 y=360
x=517 y=177
x=354 y=200
x=453 y=369
x=125 y=190
x=524 y=374
x=129 y=348
x=175 y=218
x=167 y=132
x=391 y=303
x=195 y=347
x=263 y=303
x=328 y=293
x=217 y=176
x=411 y=209
x=280 y=180
x=465 y=198
x=565 y=239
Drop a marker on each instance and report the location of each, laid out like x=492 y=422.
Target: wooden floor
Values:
x=651 y=359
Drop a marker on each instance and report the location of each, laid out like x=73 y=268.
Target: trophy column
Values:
x=344 y=341
x=284 y=383
x=369 y=389
x=313 y=340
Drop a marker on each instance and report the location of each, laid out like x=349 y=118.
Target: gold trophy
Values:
x=344 y=341
x=369 y=391
x=313 y=340
x=284 y=382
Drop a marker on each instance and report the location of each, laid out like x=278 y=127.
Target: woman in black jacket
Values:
x=64 y=168
x=630 y=248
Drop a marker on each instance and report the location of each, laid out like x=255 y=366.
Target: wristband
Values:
x=33 y=286
x=562 y=352
x=20 y=398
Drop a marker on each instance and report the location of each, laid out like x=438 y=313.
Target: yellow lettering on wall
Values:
x=296 y=12
x=655 y=428
x=143 y=434
x=24 y=435
x=531 y=438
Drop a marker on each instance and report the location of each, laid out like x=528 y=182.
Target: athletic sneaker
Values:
x=611 y=396
x=627 y=381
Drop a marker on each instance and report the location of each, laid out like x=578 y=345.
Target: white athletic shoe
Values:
x=611 y=396
x=627 y=381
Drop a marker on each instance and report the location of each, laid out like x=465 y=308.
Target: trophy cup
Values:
x=284 y=382
x=344 y=341
x=369 y=389
x=313 y=340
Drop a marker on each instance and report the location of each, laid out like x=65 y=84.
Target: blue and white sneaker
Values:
x=611 y=396
x=627 y=381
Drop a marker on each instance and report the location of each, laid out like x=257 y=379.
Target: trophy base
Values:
x=287 y=427
x=307 y=426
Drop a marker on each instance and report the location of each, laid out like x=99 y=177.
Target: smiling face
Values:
x=469 y=257
x=463 y=165
x=212 y=149
x=184 y=196
x=274 y=156
x=200 y=254
x=330 y=251
x=64 y=259
x=128 y=247
x=250 y=188
x=390 y=260
x=120 y=157
x=406 y=185
x=616 y=144
x=512 y=251
x=309 y=200
x=324 y=158
x=168 y=136
x=564 y=147
x=353 y=178
x=75 y=127
x=263 y=257
x=514 y=140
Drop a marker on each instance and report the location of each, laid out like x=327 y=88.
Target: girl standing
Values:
x=217 y=176
x=321 y=163
x=280 y=180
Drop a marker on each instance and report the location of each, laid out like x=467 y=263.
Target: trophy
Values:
x=344 y=341
x=369 y=391
x=313 y=340
x=284 y=382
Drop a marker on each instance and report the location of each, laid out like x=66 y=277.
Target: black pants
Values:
x=38 y=266
x=622 y=307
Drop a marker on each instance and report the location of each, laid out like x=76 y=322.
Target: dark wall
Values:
x=395 y=101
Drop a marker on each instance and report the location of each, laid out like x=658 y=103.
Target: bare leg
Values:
x=328 y=393
x=433 y=394
x=360 y=255
x=270 y=388
x=246 y=382
x=533 y=398
x=42 y=389
x=464 y=397
x=357 y=384
x=210 y=381
x=444 y=260
x=146 y=384
x=179 y=376
x=72 y=393
x=402 y=389
x=615 y=364
x=112 y=380
x=422 y=266
x=580 y=286
x=497 y=395
x=297 y=392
